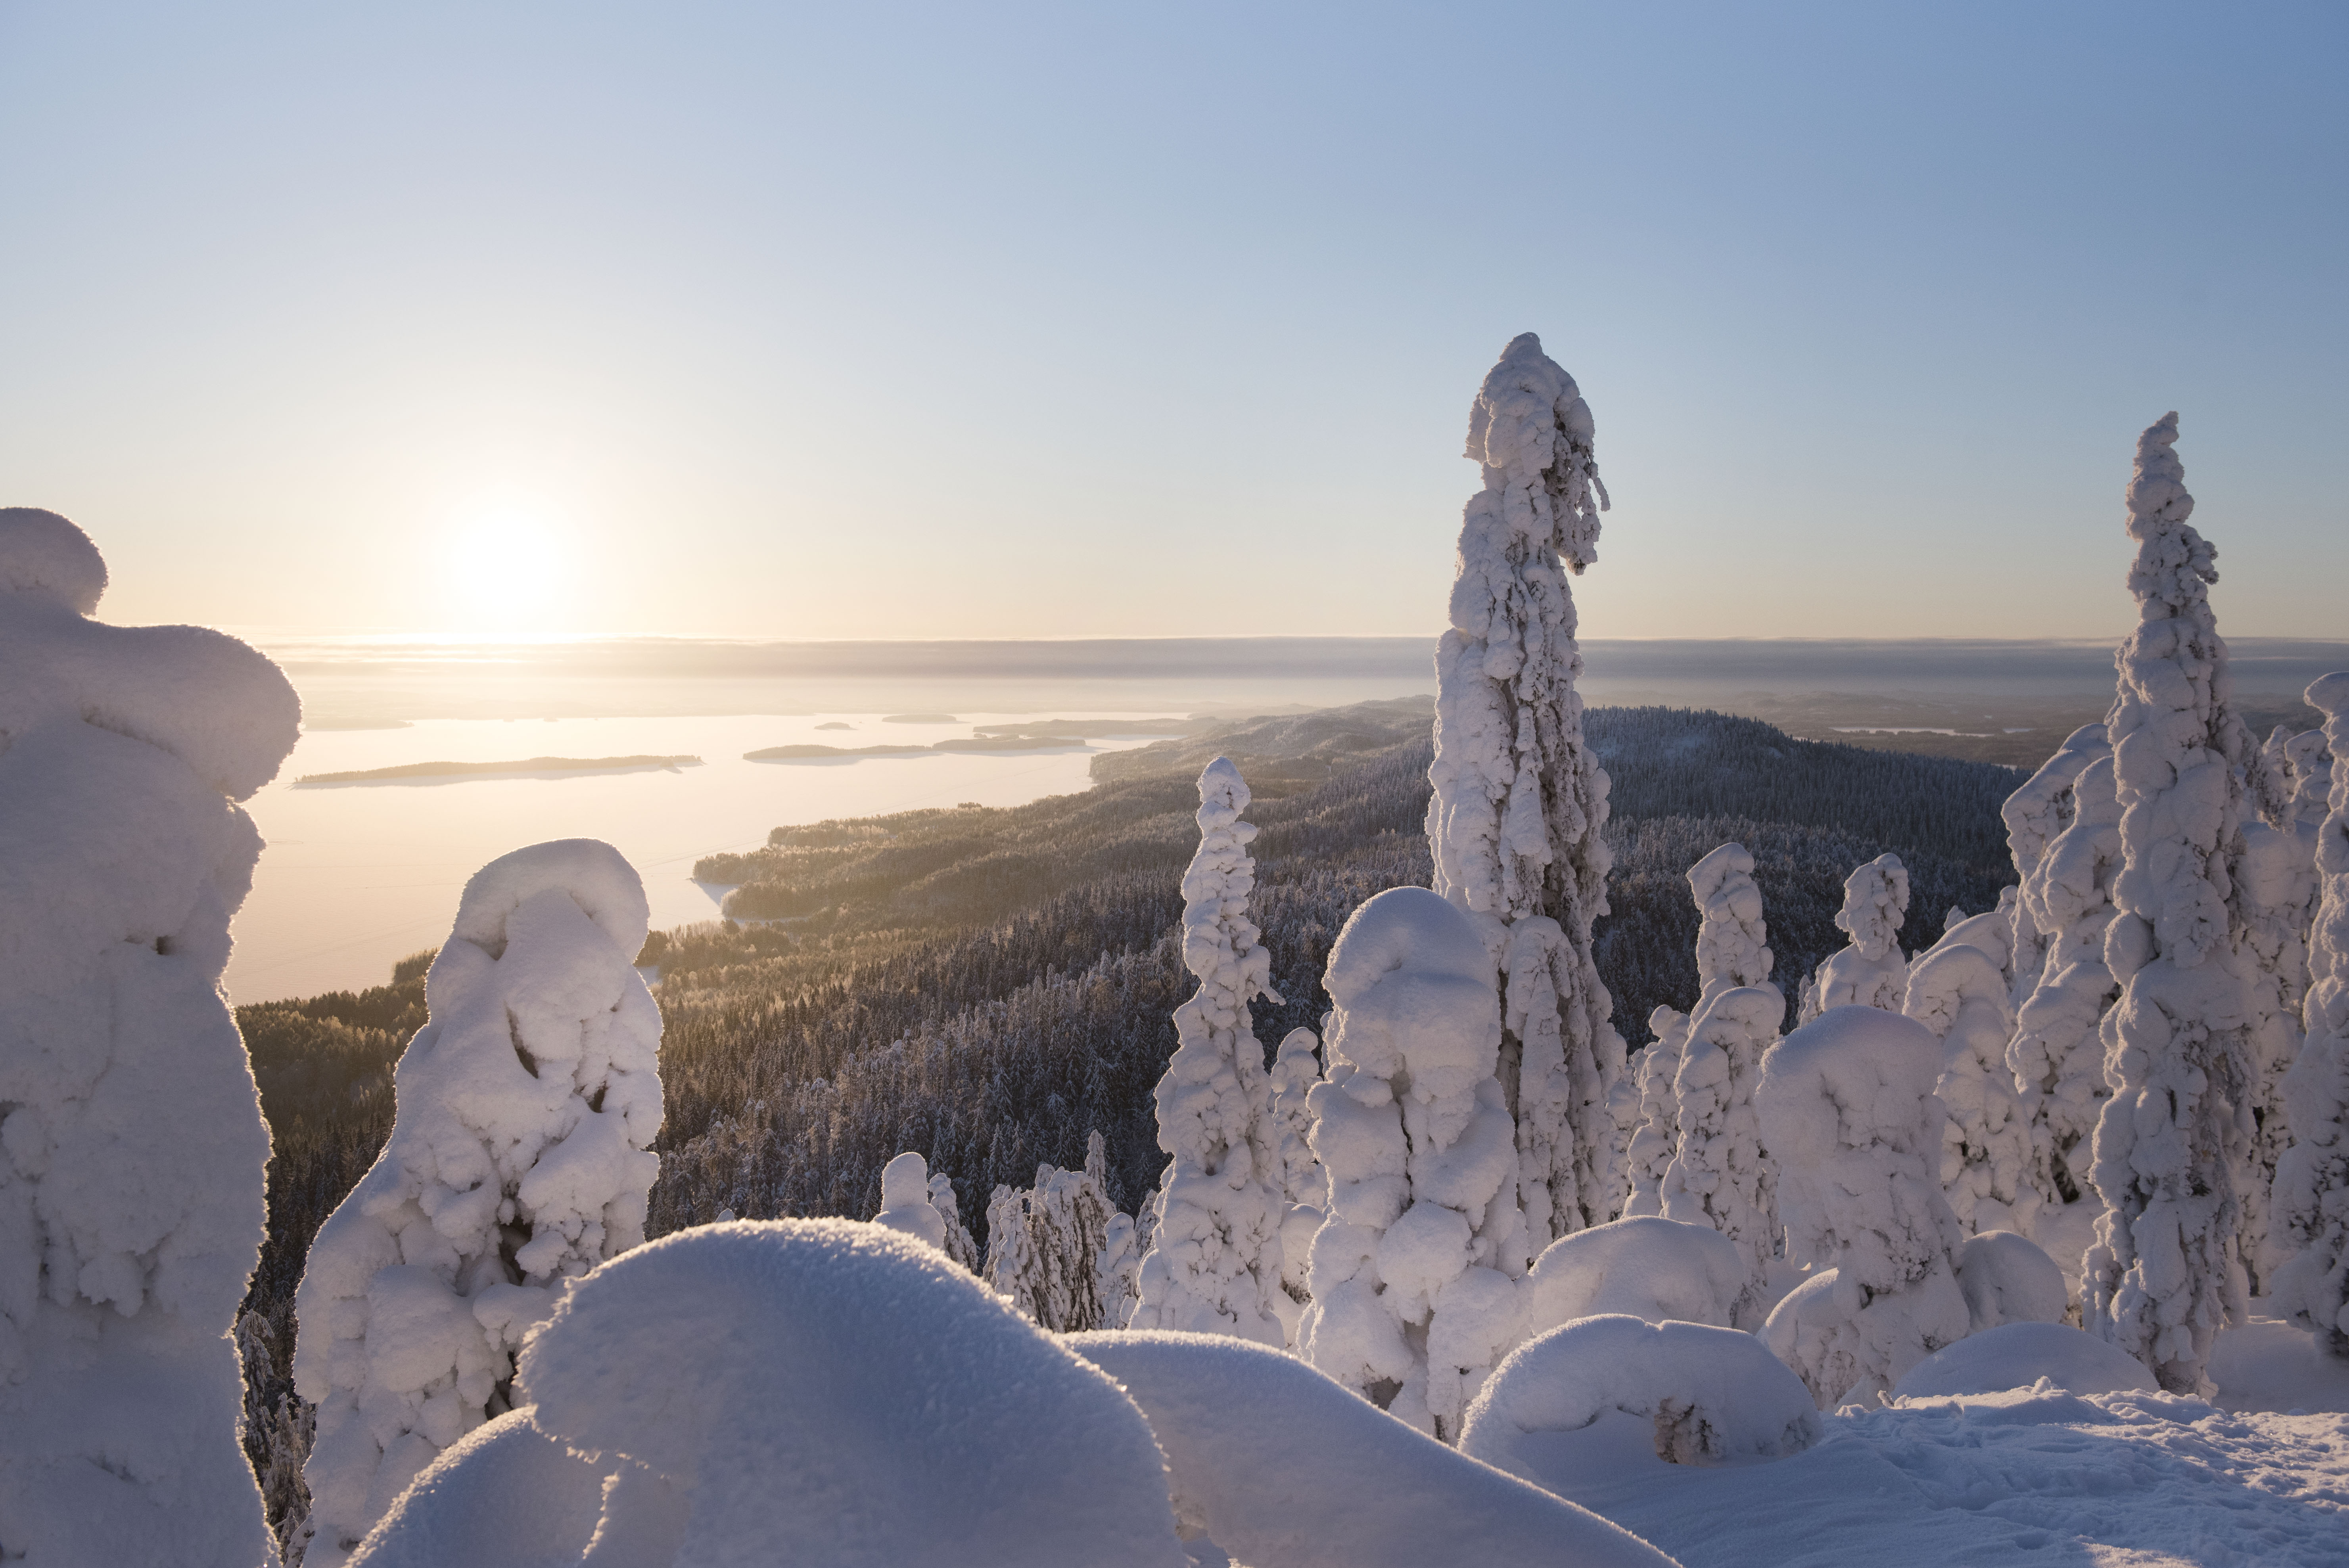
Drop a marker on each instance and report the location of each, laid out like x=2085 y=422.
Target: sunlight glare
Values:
x=508 y=560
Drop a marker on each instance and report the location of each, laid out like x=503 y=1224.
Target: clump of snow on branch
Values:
x=1645 y=1267
x=1690 y=1393
x=2311 y=1188
x=1848 y=1108
x=1272 y=1463
x=1304 y=1183
x=1520 y=799
x=801 y=1391
x=2173 y=1145
x=1411 y=1304
x=131 y=1143
x=1958 y=994
x=1215 y=1265
x=520 y=1158
x=1045 y=1244
x=905 y=1201
x=2056 y=1056
x=1872 y=972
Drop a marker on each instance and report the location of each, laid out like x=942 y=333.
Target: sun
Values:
x=508 y=557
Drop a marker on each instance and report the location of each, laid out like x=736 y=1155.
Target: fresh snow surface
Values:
x=1275 y=1465
x=796 y=1392
x=520 y=1158
x=1696 y=1394
x=2017 y=1356
x=1646 y=1267
x=131 y=1143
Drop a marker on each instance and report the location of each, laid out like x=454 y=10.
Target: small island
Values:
x=410 y=772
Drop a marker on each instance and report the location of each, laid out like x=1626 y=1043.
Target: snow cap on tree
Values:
x=131 y=1142
x=2173 y=1145
x=1848 y=1108
x=1411 y=1306
x=1871 y=972
x=1958 y=994
x=520 y=1158
x=905 y=1201
x=2312 y=1189
x=1214 y=1265
x=1519 y=800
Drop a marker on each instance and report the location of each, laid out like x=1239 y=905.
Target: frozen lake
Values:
x=357 y=875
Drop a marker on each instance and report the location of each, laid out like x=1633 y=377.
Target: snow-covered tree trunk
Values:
x=1520 y=799
x=1721 y=1175
x=1731 y=951
x=2055 y=1055
x=2311 y=1188
x=1412 y=1306
x=1215 y=1265
x=520 y=1158
x=1044 y=1246
x=1871 y=972
x=131 y=1143
x=1958 y=994
x=1303 y=1181
x=2173 y=1145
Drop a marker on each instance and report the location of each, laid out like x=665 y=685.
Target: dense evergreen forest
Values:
x=988 y=985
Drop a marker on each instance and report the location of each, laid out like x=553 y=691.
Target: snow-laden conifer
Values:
x=520 y=1158
x=131 y=1143
x=958 y=1244
x=2311 y=1188
x=905 y=1201
x=1215 y=1265
x=1412 y=1306
x=1847 y=1109
x=1721 y=1175
x=1731 y=951
x=2276 y=899
x=1519 y=798
x=1044 y=1244
x=2055 y=1055
x=2173 y=1144
x=1304 y=1183
x=1871 y=972
x=1958 y=994
x=2035 y=816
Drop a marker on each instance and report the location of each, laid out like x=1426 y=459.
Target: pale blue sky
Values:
x=903 y=321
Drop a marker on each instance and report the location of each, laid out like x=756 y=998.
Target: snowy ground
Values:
x=356 y=876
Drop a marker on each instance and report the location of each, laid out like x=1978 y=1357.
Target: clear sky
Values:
x=895 y=321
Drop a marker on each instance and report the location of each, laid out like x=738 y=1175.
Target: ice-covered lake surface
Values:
x=357 y=875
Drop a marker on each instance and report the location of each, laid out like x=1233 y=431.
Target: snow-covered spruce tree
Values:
x=905 y=1201
x=1958 y=994
x=1295 y=1071
x=1520 y=799
x=2276 y=899
x=1216 y=1262
x=2312 y=1190
x=1731 y=950
x=131 y=1143
x=1411 y=1307
x=2055 y=1055
x=520 y=1158
x=2036 y=815
x=1044 y=1246
x=1721 y=1175
x=1847 y=1109
x=1872 y=972
x=2173 y=1145
x=958 y=1244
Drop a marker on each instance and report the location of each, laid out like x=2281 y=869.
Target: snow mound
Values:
x=1282 y=1467
x=2006 y=1278
x=1645 y=1267
x=2017 y=1356
x=800 y=1391
x=905 y=1201
x=1701 y=1395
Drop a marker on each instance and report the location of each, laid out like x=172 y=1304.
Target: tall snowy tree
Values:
x=1215 y=1265
x=1519 y=798
x=2311 y=1188
x=1412 y=1306
x=1731 y=951
x=2173 y=1144
x=1872 y=972
x=520 y=1158
x=131 y=1143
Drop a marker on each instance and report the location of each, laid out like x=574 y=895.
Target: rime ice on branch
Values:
x=2312 y=1189
x=1872 y=972
x=1215 y=1265
x=1410 y=1305
x=1519 y=800
x=131 y=1143
x=2173 y=1144
x=520 y=1158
